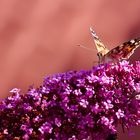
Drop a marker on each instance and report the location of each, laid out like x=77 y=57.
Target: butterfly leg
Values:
x=100 y=57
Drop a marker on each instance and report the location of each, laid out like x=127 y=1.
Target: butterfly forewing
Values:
x=101 y=48
x=123 y=51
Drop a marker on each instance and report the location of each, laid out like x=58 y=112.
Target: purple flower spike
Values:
x=84 y=105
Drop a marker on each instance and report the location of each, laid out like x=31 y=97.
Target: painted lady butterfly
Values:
x=118 y=53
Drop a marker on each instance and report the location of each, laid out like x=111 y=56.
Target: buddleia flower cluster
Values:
x=76 y=105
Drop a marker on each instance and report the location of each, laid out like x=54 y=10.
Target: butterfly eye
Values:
x=99 y=54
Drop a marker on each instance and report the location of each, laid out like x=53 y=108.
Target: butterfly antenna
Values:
x=84 y=47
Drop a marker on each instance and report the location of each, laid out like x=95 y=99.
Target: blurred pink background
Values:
x=39 y=37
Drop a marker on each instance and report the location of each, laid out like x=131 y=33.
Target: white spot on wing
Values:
x=132 y=41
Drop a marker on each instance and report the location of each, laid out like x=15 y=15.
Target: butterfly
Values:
x=122 y=52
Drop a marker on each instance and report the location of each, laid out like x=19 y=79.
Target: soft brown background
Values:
x=39 y=37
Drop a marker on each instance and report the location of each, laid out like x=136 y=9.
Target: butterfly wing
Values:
x=123 y=51
x=101 y=48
